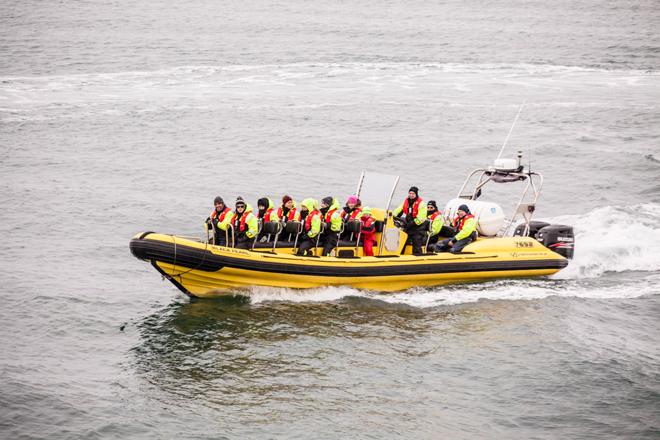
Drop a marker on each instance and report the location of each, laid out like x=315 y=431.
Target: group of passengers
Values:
x=324 y=224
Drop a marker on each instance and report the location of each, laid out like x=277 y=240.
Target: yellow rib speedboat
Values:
x=200 y=268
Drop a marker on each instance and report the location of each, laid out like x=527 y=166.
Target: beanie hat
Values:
x=218 y=200
x=352 y=199
x=262 y=202
x=285 y=199
x=240 y=201
x=414 y=189
x=432 y=203
x=464 y=208
x=327 y=200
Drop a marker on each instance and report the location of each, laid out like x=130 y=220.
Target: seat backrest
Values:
x=353 y=226
x=271 y=228
x=293 y=228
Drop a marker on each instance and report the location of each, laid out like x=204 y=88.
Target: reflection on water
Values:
x=229 y=349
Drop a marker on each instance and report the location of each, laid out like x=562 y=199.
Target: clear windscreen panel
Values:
x=376 y=189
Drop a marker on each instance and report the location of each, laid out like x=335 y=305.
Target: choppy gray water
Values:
x=119 y=117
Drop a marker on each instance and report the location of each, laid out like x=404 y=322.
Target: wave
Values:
x=303 y=69
x=614 y=239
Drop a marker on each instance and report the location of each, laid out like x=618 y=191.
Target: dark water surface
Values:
x=120 y=117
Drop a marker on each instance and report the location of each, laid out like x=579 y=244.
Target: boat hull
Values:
x=203 y=270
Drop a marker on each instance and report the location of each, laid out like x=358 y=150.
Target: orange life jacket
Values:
x=459 y=222
x=221 y=216
x=353 y=215
x=241 y=227
x=328 y=215
x=415 y=207
x=290 y=215
x=308 y=220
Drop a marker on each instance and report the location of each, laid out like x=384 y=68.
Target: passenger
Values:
x=266 y=213
x=312 y=218
x=352 y=209
x=287 y=212
x=465 y=226
x=245 y=225
x=216 y=219
x=435 y=217
x=331 y=215
x=415 y=211
x=368 y=232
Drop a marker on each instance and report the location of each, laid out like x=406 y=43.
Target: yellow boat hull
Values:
x=203 y=270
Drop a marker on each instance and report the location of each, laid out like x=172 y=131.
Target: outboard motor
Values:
x=534 y=227
x=559 y=238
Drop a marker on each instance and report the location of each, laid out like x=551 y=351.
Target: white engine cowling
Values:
x=490 y=217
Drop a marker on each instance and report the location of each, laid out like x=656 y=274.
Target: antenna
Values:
x=510 y=130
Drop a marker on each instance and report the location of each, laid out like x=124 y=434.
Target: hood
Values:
x=335 y=204
x=310 y=204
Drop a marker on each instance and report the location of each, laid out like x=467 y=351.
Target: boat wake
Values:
x=617 y=255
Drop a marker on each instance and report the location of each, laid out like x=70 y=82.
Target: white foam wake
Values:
x=614 y=239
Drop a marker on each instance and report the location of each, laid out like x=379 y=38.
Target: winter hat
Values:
x=285 y=199
x=240 y=201
x=262 y=202
x=414 y=189
x=352 y=199
x=464 y=208
x=432 y=203
x=218 y=200
x=327 y=200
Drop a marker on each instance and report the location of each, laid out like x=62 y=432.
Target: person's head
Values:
x=431 y=207
x=463 y=210
x=413 y=193
x=352 y=202
x=219 y=203
x=240 y=205
x=326 y=202
x=307 y=205
x=287 y=202
x=262 y=204
x=366 y=212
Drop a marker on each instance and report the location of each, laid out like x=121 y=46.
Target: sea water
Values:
x=121 y=117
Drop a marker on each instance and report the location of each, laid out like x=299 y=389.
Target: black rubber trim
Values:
x=144 y=234
x=182 y=255
x=195 y=258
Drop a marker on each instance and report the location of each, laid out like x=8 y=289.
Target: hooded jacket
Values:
x=270 y=215
x=248 y=219
x=313 y=218
x=292 y=215
x=418 y=208
x=333 y=216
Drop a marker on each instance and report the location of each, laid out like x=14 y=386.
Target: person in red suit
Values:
x=368 y=232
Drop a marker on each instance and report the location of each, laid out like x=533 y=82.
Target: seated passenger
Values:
x=368 y=232
x=331 y=215
x=415 y=215
x=312 y=218
x=215 y=221
x=465 y=226
x=352 y=209
x=266 y=213
x=245 y=225
x=435 y=217
x=287 y=212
